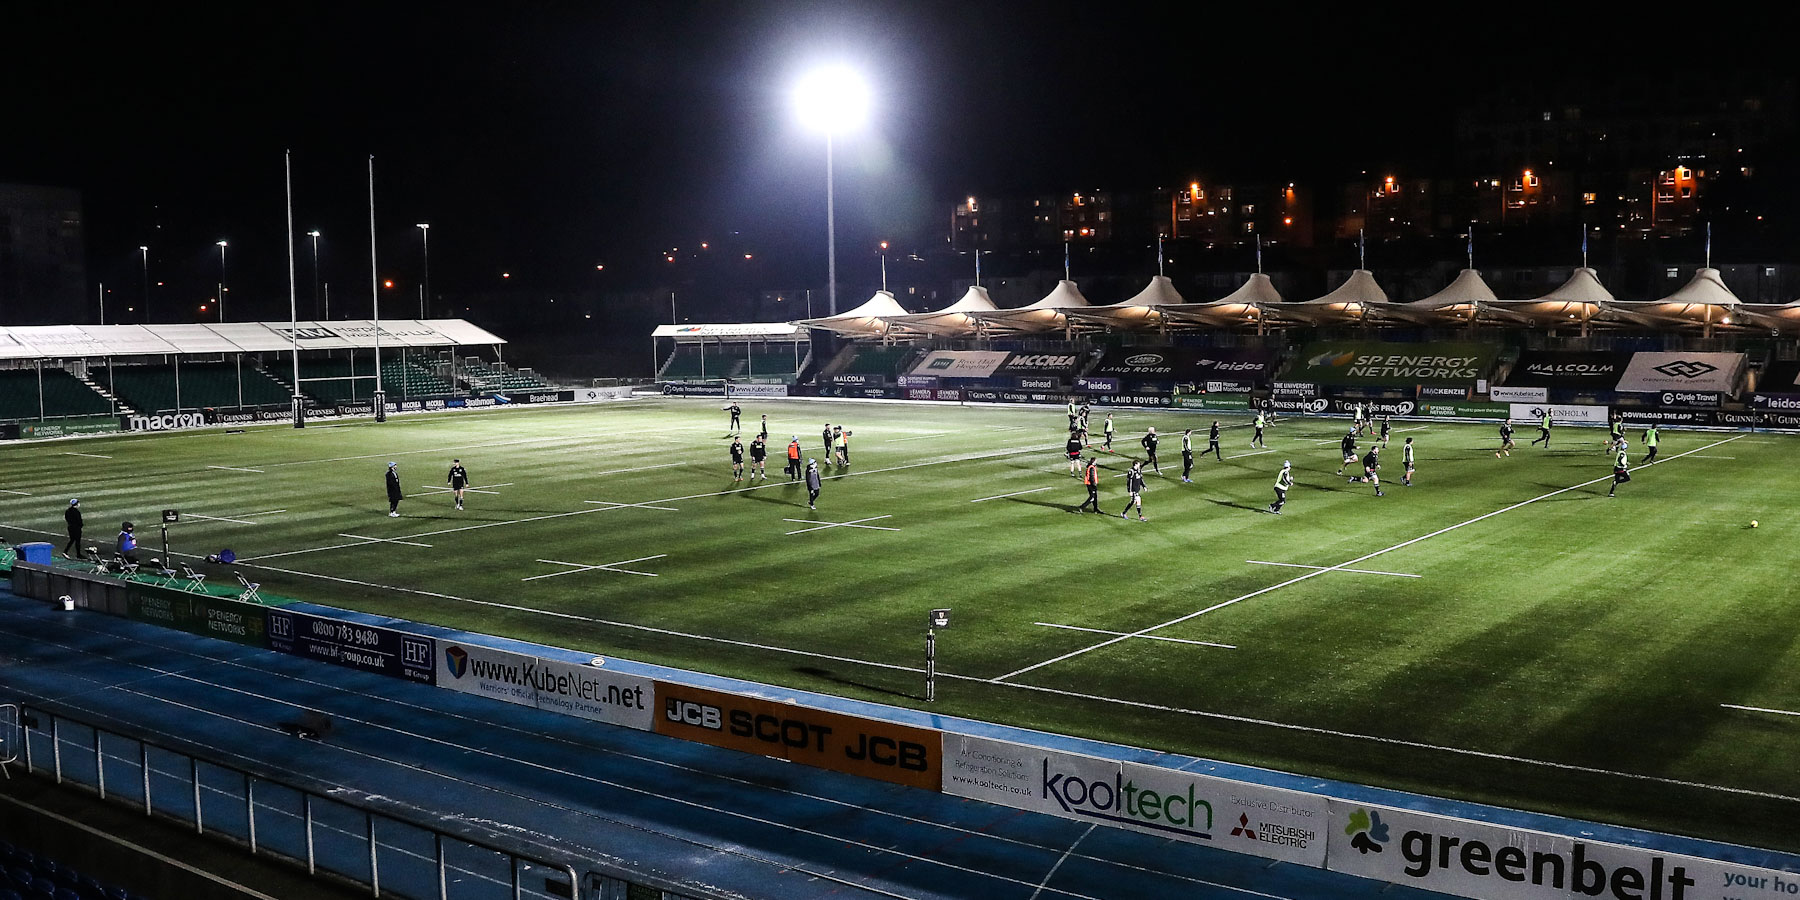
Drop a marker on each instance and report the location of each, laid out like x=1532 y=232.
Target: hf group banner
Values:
x=585 y=692
x=1494 y=862
x=1372 y=363
x=1200 y=809
x=370 y=648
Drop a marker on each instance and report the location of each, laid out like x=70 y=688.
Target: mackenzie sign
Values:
x=1371 y=363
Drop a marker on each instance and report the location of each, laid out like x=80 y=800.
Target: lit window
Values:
x=1671 y=273
x=1546 y=115
x=1588 y=198
x=1249 y=209
x=1686 y=191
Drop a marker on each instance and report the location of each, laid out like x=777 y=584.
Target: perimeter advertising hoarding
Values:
x=1560 y=413
x=370 y=648
x=1494 y=862
x=1238 y=403
x=853 y=745
x=1657 y=372
x=1374 y=363
x=960 y=363
x=1510 y=394
x=1027 y=364
x=1789 y=403
x=585 y=692
x=65 y=427
x=1470 y=410
x=1201 y=809
x=1593 y=370
x=1187 y=364
x=1092 y=385
x=201 y=614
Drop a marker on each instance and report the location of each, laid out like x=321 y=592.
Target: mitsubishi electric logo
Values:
x=1684 y=368
x=1242 y=828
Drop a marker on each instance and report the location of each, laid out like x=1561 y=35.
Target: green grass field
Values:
x=1557 y=650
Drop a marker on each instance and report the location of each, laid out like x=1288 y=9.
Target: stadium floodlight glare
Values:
x=832 y=99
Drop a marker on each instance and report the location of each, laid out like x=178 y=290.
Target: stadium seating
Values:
x=24 y=874
x=885 y=361
x=64 y=395
x=399 y=379
x=687 y=362
x=484 y=376
x=771 y=361
x=149 y=388
x=760 y=361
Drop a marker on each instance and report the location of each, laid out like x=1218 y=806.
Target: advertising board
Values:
x=960 y=363
x=1238 y=403
x=1024 y=364
x=370 y=648
x=1657 y=372
x=1510 y=394
x=1376 y=363
x=216 y=617
x=65 y=427
x=853 y=745
x=1187 y=364
x=1443 y=392
x=1469 y=410
x=586 y=692
x=1092 y=385
x=1593 y=370
x=918 y=381
x=1560 y=413
x=1775 y=403
x=1294 y=389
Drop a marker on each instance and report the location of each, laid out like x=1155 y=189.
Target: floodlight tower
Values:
x=831 y=100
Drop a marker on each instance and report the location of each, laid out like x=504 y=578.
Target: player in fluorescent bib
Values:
x=1090 y=479
x=1109 y=432
x=1621 y=470
x=1256 y=440
x=1543 y=430
x=1284 y=482
x=1650 y=437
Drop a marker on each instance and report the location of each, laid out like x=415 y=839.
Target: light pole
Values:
x=222 y=246
x=144 y=250
x=314 y=234
x=425 y=243
x=831 y=100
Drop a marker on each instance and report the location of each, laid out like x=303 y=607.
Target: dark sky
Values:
x=543 y=139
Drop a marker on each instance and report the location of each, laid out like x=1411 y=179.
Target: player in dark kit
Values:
x=1212 y=442
x=759 y=454
x=827 y=438
x=737 y=460
x=735 y=411
x=1506 y=441
x=1371 y=461
x=1149 y=442
x=394 y=493
x=458 y=480
x=1187 y=455
x=72 y=518
x=1348 y=446
x=812 y=484
x=1134 y=486
x=1074 y=451
x=1090 y=478
x=1387 y=427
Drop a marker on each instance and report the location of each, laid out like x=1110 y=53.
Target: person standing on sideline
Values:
x=128 y=541
x=1109 y=433
x=793 y=466
x=1284 y=482
x=735 y=411
x=393 y=490
x=759 y=454
x=1348 y=446
x=826 y=435
x=1406 y=459
x=1134 y=485
x=72 y=518
x=1212 y=442
x=1387 y=428
x=1506 y=441
x=765 y=428
x=1621 y=472
x=459 y=481
x=812 y=484
x=1650 y=437
x=737 y=459
x=1187 y=455
x=1256 y=440
x=1543 y=430
x=1074 y=451
x=1090 y=479
x=1149 y=441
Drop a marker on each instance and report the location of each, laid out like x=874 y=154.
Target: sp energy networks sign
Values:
x=1370 y=363
x=1493 y=862
x=1657 y=372
x=867 y=747
x=1230 y=815
x=586 y=692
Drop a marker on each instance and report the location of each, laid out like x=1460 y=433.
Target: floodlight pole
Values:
x=375 y=299
x=930 y=665
x=830 y=230
x=287 y=161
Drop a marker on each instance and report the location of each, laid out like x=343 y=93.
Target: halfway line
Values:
x=1148 y=637
x=1258 y=562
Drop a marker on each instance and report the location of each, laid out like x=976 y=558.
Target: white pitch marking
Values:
x=1013 y=494
x=194 y=515
x=853 y=524
x=648 y=505
x=917 y=437
x=382 y=540
x=20 y=493
x=1259 y=562
x=1704 y=456
x=440 y=489
x=237 y=469
x=1252 y=453
x=90 y=455
x=608 y=567
x=1760 y=709
x=1154 y=637
x=1367 y=556
x=1414 y=428
x=641 y=469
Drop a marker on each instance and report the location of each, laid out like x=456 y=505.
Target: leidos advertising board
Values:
x=901 y=754
x=586 y=692
x=1493 y=862
x=1201 y=809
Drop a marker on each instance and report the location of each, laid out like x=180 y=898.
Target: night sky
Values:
x=546 y=141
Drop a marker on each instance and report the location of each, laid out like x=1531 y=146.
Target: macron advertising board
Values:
x=1494 y=862
x=1373 y=363
x=1185 y=806
x=586 y=692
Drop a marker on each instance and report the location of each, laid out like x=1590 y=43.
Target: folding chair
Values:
x=252 y=589
x=127 y=569
x=196 y=581
x=160 y=569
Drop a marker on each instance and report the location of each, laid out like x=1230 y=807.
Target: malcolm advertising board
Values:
x=1494 y=862
x=871 y=748
x=1372 y=363
x=586 y=692
x=1591 y=370
x=1169 y=803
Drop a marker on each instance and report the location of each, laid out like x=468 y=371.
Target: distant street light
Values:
x=832 y=100
x=145 y=251
x=314 y=234
x=425 y=242
x=222 y=246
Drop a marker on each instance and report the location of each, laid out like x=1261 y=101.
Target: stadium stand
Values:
x=691 y=361
x=773 y=362
x=25 y=874
x=399 y=378
x=149 y=388
x=64 y=395
x=334 y=391
x=481 y=375
x=884 y=361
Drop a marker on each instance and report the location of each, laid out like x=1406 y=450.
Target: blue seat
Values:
x=21 y=877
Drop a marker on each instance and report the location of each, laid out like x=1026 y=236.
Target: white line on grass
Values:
x=237 y=469
x=194 y=515
x=440 y=489
x=382 y=540
x=1149 y=637
x=608 y=567
x=20 y=493
x=917 y=437
x=611 y=505
x=641 y=469
x=89 y=455
x=1013 y=494
x=852 y=524
x=1704 y=456
x=1314 y=574
x=1258 y=562
x=1760 y=709
x=1251 y=453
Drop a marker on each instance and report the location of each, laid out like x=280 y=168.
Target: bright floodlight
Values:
x=833 y=99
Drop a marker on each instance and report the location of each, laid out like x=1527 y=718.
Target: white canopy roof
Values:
x=1704 y=300
x=867 y=320
x=1236 y=308
x=70 y=341
x=739 y=330
x=1140 y=310
x=1044 y=315
x=1352 y=300
x=955 y=319
x=1461 y=300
